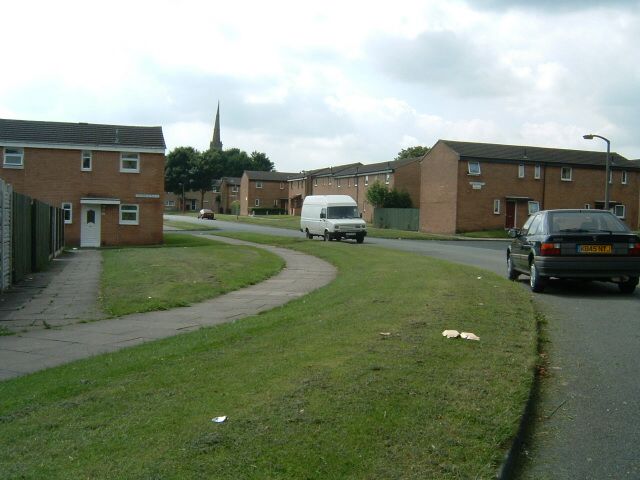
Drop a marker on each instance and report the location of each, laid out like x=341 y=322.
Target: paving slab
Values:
x=39 y=348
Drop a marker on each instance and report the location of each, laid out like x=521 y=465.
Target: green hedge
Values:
x=268 y=211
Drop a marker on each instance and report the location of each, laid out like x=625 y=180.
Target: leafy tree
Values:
x=178 y=170
x=204 y=168
x=376 y=194
x=260 y=162
x=236 y=162
x=412 y=152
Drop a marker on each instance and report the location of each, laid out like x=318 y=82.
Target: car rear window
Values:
x=582 y=222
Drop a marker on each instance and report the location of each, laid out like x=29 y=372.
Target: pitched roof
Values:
x=522 y=153
x=231 y=180
x=268 y=176
x=380 y=167
x=90 y=135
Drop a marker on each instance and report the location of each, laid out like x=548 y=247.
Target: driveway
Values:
x=586 y=421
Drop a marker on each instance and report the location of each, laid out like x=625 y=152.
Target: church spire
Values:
x=216 y=144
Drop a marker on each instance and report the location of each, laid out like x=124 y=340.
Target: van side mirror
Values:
x=323 y=215
x=360 y=214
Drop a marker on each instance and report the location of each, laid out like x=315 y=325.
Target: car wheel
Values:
x=511 y=272
x=327 y=236
x=629 y=286
x=536 y=281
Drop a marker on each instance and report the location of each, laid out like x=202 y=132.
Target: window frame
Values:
x=624 y=211
x=537 y=171
x=86 y=155
x=521 y=170
x=471 y=171
x=16 y=152
x=387 y=179
x=610 y=176
x=123 y=159
x=256 y=202
x=281 y=185
x=259 y=184
x=530 y=204
x=366 y=180
x=315 y=182
x=123 y=208
x=338 y=183
x=66 y=210
x=234 y=189
x=496 y=206
x=169 y=203
x=587 y=206
x=276 y=202
x=562 y=177
x=624 y=180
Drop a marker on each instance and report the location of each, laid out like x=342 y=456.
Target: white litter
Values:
x=219 y=419
x=469 y=336
x=385 y=334
x=479 y=278
x=451 y=333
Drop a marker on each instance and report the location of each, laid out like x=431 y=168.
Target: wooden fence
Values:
x=32 y=235
x=398 y=218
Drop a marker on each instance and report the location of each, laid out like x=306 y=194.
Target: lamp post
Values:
x=591 y=136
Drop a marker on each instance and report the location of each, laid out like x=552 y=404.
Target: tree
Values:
x=204 y=168
x=376 y=194
x=412 y=152
x=236 y=162
x=260 y=162
x=178 y=170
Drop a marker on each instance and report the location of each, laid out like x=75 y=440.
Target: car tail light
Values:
x=550 y=249
x=634 y=249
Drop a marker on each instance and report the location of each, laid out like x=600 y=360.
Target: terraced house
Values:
x=264 y=191
x=355 y=179
x=109 y=179
x=469 y=186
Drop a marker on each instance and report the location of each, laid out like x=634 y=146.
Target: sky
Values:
x=317 y=84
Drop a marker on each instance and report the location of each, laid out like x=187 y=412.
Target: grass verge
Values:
x=351 y=381
x=185 y=270
x=188 y=226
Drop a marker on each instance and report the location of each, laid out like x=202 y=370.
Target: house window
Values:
x=86 y=161
x=258 y=184
x=610 y=176
x=338 y=182
x=473 y=168
x=67 y=209
x=565 y=174
x=624 y=177
x=387 y=179
x=129 y=163
x=234 y=189
x=128 y=214
x=533 y=207
x=13 y=157
x=170 y=203
x=275 y=202
x=257 y=202
x=315 y=182
x=521 y=170
x=619 y=211
x=329 y=181
x=496 y=206
x=281 y=185
x=587 y=206
x=366 y=180
x=355 y=181
x=536 y=172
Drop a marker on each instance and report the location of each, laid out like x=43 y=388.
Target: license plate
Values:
x=594 y=249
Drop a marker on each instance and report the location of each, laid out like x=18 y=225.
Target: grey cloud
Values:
x=443 y=60
x=552 y=6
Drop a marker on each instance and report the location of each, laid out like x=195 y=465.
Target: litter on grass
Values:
x=385 y=334
x=451 y=333
x=219 y=419
x=469 y=336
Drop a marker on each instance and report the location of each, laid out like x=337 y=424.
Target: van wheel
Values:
x=327 y=236
x=359 y=238
x=309 y=236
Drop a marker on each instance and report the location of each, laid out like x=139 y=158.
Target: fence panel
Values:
x=21 y=236
x=397 y=218
x=6 y=197
x=41 y=236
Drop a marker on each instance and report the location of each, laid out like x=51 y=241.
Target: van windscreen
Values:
x=342 y=212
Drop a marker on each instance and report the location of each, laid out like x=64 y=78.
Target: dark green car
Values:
x=575 y=244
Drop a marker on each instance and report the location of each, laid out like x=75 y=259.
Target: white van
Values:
x=332 y=217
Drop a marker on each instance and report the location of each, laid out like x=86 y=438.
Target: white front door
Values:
x=90 y=226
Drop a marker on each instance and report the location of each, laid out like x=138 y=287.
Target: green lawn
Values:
x=186 y=270
x=188 y=225
x=312 y=389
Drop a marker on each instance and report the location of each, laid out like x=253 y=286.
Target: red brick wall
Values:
x=270 y=193
x=439 y=190
x=54 y=176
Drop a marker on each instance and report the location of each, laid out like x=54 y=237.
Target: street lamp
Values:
x=606 y=179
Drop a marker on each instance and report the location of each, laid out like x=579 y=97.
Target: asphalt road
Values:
x=587 y=420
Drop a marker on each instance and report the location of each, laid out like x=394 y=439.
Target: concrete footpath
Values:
x=39 y=348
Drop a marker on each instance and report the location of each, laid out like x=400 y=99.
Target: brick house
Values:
x=477 y=186
x=302 y=184
x=264 y=190
x=229 y=193
x=109 y=179
x=355 y=179
x=193 y=201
